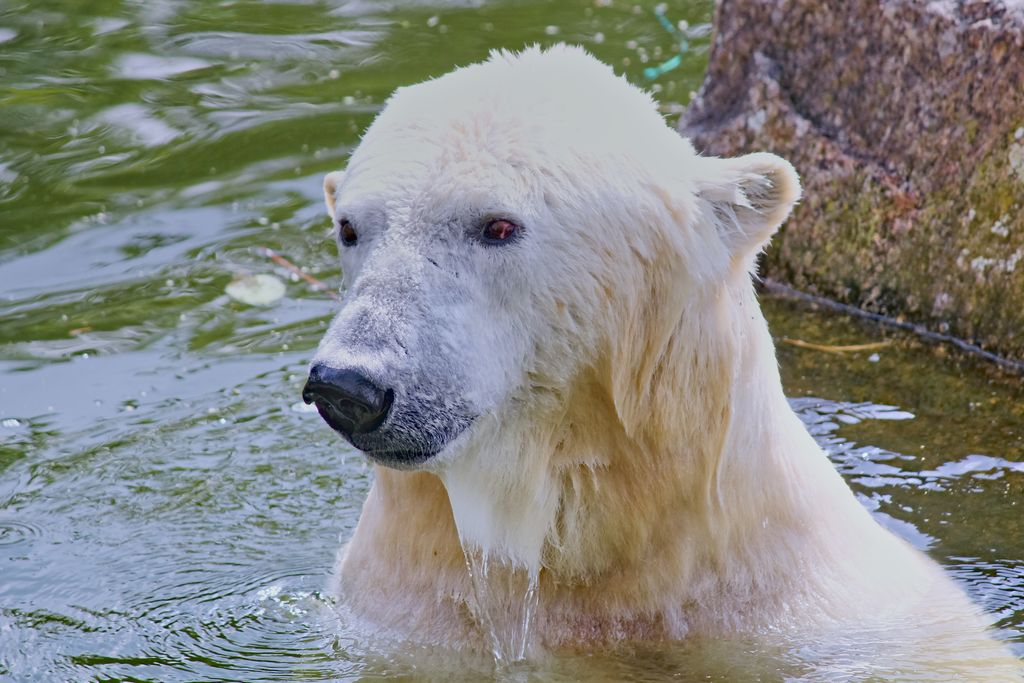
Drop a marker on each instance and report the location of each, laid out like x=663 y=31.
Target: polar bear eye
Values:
x=347 y=233
x=499 y=231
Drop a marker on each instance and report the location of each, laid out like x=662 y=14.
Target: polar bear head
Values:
x=520 y=239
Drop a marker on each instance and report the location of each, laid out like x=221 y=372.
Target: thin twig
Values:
x=920 y=331
x=831 y=348
x=285 y=263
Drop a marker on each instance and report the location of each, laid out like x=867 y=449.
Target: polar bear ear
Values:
x=749 y=197
x=331 y=182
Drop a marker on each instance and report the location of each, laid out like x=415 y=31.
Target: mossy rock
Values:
x=906 y=122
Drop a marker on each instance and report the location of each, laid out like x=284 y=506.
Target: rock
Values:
x=905 y=119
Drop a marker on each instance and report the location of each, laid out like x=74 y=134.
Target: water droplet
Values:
x=300 y=407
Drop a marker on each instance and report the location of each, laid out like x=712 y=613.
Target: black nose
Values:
x=347 y=399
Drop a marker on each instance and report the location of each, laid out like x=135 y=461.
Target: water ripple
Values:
x=13 y=532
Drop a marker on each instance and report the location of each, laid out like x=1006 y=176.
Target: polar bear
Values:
x=551 y=350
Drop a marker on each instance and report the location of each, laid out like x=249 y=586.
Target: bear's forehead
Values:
x=437 y=189
x=524 y=108
x=506 y=132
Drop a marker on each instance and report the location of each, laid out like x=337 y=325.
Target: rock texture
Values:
x=905 y=119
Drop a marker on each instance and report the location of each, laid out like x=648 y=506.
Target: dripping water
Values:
x=505 y=604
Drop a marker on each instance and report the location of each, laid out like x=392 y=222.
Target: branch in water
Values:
x=288 y=265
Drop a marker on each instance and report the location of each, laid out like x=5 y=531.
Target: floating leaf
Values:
x=256 y=290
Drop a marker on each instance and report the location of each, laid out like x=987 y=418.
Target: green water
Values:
x=169 y=510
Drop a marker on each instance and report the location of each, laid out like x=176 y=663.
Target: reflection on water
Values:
x=876 y=473
x=169 y=510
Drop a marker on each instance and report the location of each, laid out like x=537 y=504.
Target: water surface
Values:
x=169 y=510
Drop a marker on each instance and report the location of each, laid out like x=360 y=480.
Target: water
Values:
x=169 y=510
x=505 y=600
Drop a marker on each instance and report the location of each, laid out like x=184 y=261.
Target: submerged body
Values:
x=552 y=349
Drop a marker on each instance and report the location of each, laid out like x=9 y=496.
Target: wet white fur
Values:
x=633 y=449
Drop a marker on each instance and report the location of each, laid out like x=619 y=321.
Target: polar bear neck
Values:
x=720 y=500
x=717 y=472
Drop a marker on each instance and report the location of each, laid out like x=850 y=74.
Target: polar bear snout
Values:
x=393 y=412
x=347 y=400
